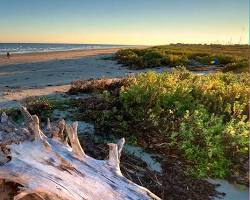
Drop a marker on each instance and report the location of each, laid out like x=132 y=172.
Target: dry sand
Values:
x=56 y=55
x=41 y=74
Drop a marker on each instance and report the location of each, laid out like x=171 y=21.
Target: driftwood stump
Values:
x=51 y=164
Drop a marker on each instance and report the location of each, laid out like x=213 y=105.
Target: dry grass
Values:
x=96 y=85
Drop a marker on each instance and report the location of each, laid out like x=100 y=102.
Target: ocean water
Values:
x=46 y=47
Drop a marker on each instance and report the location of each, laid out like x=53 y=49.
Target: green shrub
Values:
x=203 y=119
x=222 y=59
x=200 y=138
x=232 y=58
x=225 y=59
x=150 y=58
x=13 y=113
x=205 y=115
x=39 y=106
x=178 y=60
x=240 y=66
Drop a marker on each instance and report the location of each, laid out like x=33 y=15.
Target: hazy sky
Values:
x=124 y=21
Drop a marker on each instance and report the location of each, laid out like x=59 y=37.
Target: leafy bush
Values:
x=152 y=59
x=149 y=58
x=127 y=57
x=200 y=138
x=205 y=116
x=177 y=60
x=203 y=119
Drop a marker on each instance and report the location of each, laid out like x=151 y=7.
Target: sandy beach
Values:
x=38 y=74
x=56 y=55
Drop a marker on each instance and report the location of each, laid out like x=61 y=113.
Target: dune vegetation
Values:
x=208 y=115
x=229 y=58
x=202 y=119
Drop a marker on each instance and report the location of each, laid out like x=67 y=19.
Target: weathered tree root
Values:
x=45 y=165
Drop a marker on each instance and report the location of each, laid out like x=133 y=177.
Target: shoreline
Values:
x=21 y=58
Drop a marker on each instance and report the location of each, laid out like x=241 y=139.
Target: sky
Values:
x=144 y=22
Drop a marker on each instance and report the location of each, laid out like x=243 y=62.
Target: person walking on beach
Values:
x=8 y=55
